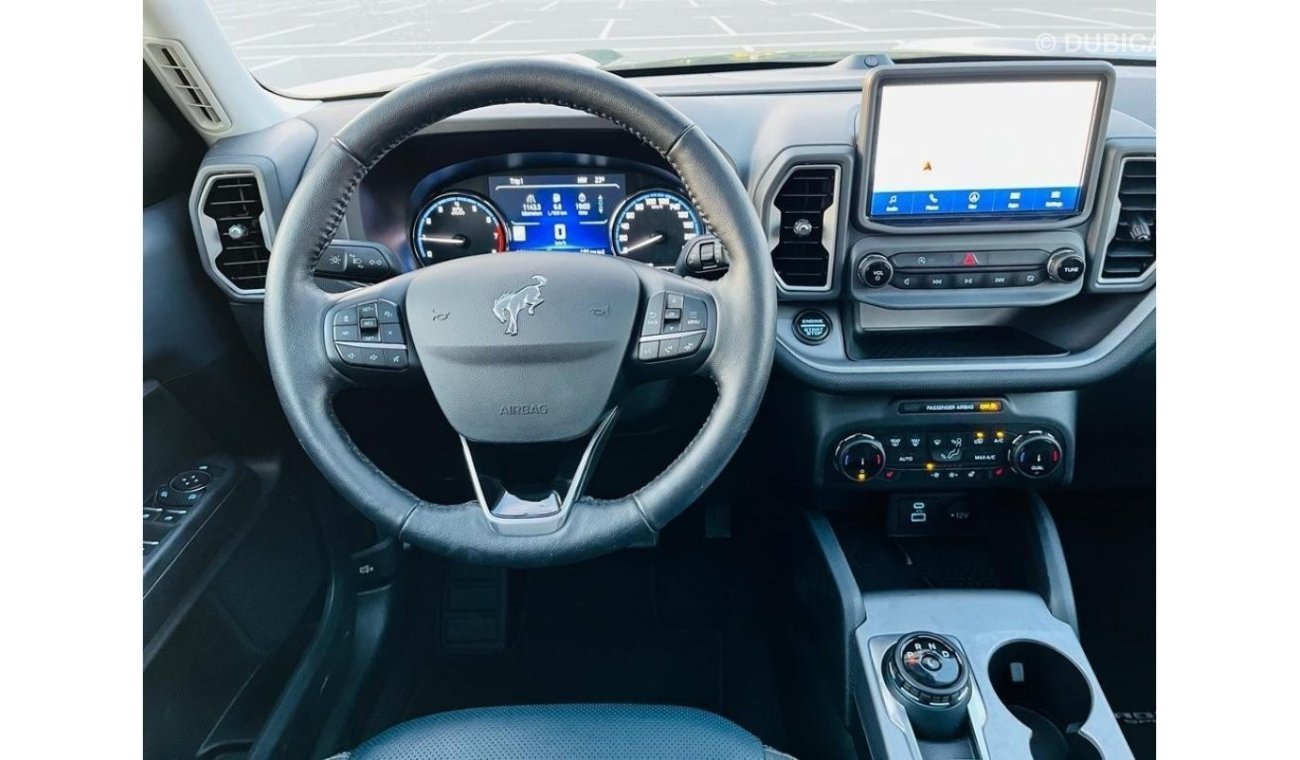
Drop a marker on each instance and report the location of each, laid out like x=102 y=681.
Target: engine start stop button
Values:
x=812 y=326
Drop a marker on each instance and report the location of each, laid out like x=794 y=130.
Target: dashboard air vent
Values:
x=1132 y=251
x=234 y=204
x=177 y=71
x=806 y=203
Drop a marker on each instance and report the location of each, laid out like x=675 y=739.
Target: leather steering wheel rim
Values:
x=739 y=362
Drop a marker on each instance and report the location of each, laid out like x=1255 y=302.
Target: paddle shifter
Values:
x=928 y=674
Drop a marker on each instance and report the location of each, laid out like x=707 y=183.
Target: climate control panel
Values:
x=993 y=456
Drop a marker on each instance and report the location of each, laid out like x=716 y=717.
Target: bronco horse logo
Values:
x=508 y=305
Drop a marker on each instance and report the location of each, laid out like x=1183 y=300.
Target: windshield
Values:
x=314 y=48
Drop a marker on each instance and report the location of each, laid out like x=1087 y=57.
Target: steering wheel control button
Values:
x=654 y=316
x=690 y=343
x=674 y=301
x=875 y=271
x=395 y=358
x=191 y=480
x=670 y=348
x=648 y=351
x=695 y=315
x=811 y=326
x=371 y=336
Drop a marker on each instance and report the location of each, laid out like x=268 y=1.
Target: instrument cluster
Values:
x=635 y=215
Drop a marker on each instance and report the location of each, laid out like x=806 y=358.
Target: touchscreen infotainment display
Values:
x=565 y=213
x=982 y=149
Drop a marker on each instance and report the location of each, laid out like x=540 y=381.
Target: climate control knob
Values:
x=875 y=271
x=1035 y=455
x=860 y=457
x=1065 y=265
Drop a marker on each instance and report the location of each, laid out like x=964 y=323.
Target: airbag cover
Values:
x=523 y=347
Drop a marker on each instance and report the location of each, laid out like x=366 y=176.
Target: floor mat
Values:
x=1110 y=539
x=677 y=625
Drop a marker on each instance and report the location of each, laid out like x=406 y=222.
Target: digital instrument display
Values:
x=553 y=212
x=981 y=149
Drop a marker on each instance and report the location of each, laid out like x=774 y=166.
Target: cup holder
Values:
x=1045 y=691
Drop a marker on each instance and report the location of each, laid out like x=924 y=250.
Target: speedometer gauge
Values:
x=652 y=226
x=455 y=225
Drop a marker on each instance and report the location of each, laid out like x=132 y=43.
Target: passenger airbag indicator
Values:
x=963 y=406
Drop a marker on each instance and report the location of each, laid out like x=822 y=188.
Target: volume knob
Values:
x=875 y=271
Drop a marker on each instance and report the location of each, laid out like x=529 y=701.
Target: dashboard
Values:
x=934 y=227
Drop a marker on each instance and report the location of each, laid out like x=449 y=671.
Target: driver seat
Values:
x=566 y=732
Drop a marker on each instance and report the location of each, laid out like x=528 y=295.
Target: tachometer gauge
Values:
x=455 y=225
x=653 y=225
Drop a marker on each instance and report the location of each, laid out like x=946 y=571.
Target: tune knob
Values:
x=875 y=271
x=1036 y=455
x=1065 y=265
x=860 y=457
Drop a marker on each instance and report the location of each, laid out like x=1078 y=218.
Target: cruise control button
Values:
x=369 y=337
x=391 y=334
x=395 y=358
x=648 y=351
x=388 y=314
x=347 y=332
x=370 y=309
x=695 y=315
x=346 y=316
x=670 y=348
x=691 y=343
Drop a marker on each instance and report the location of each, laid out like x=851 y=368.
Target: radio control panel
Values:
x=1024 y=269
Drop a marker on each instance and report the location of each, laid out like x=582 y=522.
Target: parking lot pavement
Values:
x=287 y=43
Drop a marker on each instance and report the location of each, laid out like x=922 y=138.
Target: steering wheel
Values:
x=523 y=352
